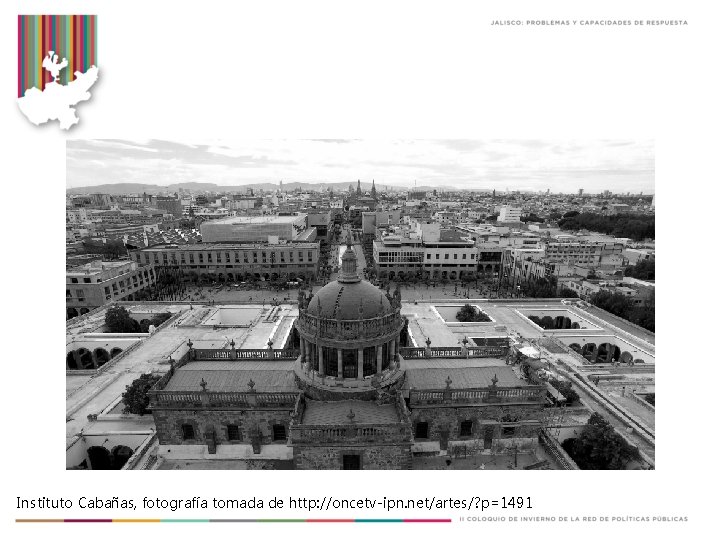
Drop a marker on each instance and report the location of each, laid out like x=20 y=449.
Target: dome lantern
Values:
x=348 y=270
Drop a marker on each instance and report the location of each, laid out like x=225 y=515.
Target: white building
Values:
x=510 y=214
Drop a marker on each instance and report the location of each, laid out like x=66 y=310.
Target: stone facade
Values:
x=389 y=457
x=169 y=425
x=502 y=421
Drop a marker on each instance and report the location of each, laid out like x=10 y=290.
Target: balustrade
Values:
x=520 y=394
x=350 y=433
x=245 y=354
x=331 y=328
x=170 y=398
x=454 y=352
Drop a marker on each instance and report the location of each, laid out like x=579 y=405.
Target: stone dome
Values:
x=350 y=331
x=349 y=297
x=349 y=301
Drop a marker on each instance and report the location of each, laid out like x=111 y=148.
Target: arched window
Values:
x=101 y=356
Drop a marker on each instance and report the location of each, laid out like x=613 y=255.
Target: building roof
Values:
x=465 y=377
x=344 y=300
x=204 y=246
x=234 y=376
x=338 y=412
x=97 y=267
x=258 y=220
x=450 y=235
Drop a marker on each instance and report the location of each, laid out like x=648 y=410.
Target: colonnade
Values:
x=349 y=360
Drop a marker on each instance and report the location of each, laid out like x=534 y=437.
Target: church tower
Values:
x=358 y=191
x=373 y=193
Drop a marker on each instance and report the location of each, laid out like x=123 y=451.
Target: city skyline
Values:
x=619 y=166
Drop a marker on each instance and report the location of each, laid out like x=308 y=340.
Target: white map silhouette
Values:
x=51 y=64
x=56 y=101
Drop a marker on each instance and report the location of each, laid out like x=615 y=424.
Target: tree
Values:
x=156 y=321
x=645 y=315
x=547 y=322
x=468 y=313
x=622 y=306
x=632 y=225
x=644 y=270
x=617 y=304
x=532 y=217
x=567 y=293
x=118 y=321
x=565 y=388
x=541 y=288
x=135 y=398
x=599 y=447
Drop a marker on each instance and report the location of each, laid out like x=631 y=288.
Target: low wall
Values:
x=641 y=401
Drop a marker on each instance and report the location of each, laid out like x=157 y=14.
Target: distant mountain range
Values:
x=202 y=187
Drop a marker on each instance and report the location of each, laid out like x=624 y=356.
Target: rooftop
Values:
x=90 y=395
x=234 y=376
x=97 y=267
x=258 y=220
x=204 y=246
x=452 y=236
x=435 y=376
x=338 y=412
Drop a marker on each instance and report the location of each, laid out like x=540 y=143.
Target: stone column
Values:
x=378 y=357
x=302 y=349
x=360 y=362
x=340 y=362
x=321 y=361
x=397 y=352
x=392 y=351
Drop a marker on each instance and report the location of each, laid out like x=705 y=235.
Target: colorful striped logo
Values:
x=71 y=37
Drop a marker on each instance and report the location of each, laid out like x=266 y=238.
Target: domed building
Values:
x=350 y=397
x=349 y=337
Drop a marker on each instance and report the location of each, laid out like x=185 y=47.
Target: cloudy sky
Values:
x=566 y=166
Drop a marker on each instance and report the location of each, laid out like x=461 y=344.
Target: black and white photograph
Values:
x=335 y=304
x=351 y=269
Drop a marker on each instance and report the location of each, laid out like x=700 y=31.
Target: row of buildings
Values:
x=280 y=236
